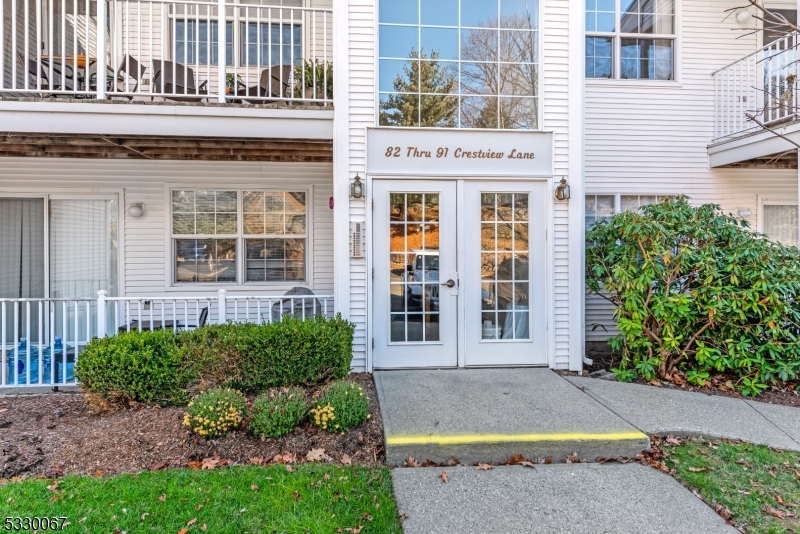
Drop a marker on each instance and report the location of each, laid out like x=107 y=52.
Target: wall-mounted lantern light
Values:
x=136 y=209
x=357 y=188
x=743 y=16
x=744 y=212
x=562 y=190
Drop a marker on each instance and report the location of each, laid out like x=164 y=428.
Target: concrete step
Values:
x=487 y=415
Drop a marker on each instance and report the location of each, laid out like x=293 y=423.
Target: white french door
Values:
x=414 y=255
x=424 y=306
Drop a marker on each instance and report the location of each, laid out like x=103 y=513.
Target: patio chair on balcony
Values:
x=201 y=321
x=129 y=68
x=43 y=69
x=273 y=82
x=296 y=307
x=177 y=80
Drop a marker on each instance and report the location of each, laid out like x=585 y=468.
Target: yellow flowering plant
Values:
x=217 y=412
x=342 y=407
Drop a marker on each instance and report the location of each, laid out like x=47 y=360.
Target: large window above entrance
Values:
x=459 y=63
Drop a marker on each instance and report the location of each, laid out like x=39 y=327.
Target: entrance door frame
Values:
x=461 y=181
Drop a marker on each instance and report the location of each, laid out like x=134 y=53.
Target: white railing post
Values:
x=101 y=307
x=223 y=307
x=101 y=50
x=221 y=55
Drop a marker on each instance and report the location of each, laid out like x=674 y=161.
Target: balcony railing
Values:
x=760 y=86
x=218 y=51
x=41 y=339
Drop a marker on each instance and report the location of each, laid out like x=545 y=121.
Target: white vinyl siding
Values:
x=145 y=239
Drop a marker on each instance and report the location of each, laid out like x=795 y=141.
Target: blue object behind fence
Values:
x=56 y=353
x=21 y=365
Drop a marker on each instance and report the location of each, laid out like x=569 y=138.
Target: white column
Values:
x=221 y=55
x=101 y=49
x=101 y=298
x=577 y=239
x=341 y=160
x=223 y=307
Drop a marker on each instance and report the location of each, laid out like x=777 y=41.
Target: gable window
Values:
x=630 y=39
x=232 y=237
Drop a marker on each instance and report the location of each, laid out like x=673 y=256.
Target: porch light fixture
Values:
x=357 y=188
x=562 y=190
x=136 y=209
x=744 y=212
x=742 y=16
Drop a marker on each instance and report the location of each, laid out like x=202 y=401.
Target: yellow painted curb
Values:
x=512 y=438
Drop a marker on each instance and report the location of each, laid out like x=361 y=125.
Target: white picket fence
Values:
x=41 y=339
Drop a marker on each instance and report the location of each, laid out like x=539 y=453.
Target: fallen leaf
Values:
x=403 y=517
x=483 y=467
x=773 y=474
x=258 y=461
x=183 y=531
x=346 y=460
x=673 y=441
x=698 y=469
x=253 y=487
x=163 y=497
x=317 y=455
x=655 y=383
x=572 y=458
x=514 y=459
x=443 y=476
x=412 y=462
x=784 y=503
x=191 y=522
x=296 y=495
x=452 y=461
x=159 y=466
x=548 y=460
x=98 y=473
x=194 y=465
x=210 y=463
x=198 y=507
x=527 y=463
x=367 y=517
x=53 y=486
x=778 y=513
x=82 y=520
x=143 y=516
x=204 y=527
x=724 y=512
x=290 y=468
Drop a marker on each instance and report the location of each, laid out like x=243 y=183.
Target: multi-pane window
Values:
x=271 y=44
x=630 y=39
x=194 y=44
x=210 y=228
x=599 y=207
x=459 y=63
x=779 y=222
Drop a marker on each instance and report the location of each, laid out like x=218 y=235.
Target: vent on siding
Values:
x=356 y=239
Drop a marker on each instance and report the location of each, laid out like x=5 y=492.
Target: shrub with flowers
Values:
x=342 y=407
x=277 y=412
x=217 y=412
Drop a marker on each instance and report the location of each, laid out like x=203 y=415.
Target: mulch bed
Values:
x=785 y=396
x=58 y=433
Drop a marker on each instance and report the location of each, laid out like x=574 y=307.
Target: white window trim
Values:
x=117 y=195
x=766 y=201
x=172 y=285
x=616 y=65
x=618 y=198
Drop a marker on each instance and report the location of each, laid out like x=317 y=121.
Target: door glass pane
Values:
x=21 y=260
x=414 y=267
x=504 y=266
x=81 y=270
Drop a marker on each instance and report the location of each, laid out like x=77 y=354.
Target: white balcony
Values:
x=188 y=51
x=755 y=97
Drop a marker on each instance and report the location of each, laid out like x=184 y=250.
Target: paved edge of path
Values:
x=566 y=498
x=656 y=410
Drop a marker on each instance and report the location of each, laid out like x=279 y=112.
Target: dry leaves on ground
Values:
x=318 y=455
x=780 y=514
x=724 y=512
x=784 y=503
x=443 y=476
x=483 y=467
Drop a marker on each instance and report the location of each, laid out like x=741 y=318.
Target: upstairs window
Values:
x=630 y=39
x=459 y=63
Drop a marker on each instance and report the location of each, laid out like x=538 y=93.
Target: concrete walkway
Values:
x=656 y=410
x=574 y=498
x=486 y=415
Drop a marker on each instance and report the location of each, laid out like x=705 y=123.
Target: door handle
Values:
x=450 y=283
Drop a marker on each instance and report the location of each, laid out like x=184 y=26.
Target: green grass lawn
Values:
x=744 y=478
x=314 y=498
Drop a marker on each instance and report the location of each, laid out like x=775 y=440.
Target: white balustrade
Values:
x=41 y=339
x=762 y=84
x=219 y=51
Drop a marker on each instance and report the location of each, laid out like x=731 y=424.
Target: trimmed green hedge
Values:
x=163 y=368
x=134 y=366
